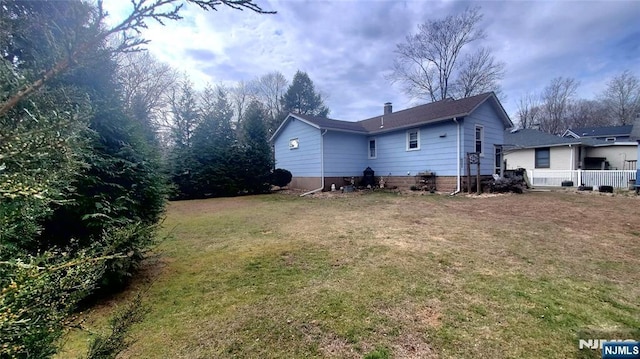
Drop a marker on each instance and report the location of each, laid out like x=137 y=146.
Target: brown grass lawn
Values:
x=387 y=276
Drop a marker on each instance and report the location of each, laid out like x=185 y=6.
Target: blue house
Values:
x=398 y=146
x=605 y=133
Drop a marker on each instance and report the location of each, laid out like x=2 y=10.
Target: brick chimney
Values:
x=388 y=108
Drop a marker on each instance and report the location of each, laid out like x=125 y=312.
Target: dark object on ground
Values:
x=567 y=184
x=514 y=183
x=280 y=177
x=585 y=188
x=605 y=189
x=368 y=178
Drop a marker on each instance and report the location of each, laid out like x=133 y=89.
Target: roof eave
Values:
x=570 y=133
x=501 y=112
x=418 y=124
x=521 y=147
x=344 y=130
x=284 y=122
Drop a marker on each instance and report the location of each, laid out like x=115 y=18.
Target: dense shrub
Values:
x=281 y=177
x=515 y=184
x=37 y=296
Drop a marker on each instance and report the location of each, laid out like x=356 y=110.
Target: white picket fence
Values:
x=554 y=178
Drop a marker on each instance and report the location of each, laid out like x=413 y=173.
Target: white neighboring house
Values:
x=621 y=155
x=550 y=160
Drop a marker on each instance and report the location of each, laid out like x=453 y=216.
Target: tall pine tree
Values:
x=256 y=152
x=182 y=161
x=301 y=97
x=214 y=146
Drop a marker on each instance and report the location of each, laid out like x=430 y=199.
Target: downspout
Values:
x=321 y=166
x=458 y=185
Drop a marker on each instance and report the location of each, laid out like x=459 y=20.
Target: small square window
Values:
x=413 y=140
x=293 y=143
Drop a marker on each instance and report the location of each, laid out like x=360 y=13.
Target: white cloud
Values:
x=346 y=47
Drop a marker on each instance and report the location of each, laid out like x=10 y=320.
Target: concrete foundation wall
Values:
x=307 y=183
x=443 y=183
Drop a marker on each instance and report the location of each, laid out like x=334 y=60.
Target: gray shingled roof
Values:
x=327 y=123
x=433 y=112
x=415 y=116
x=635 y=131
x=530 y=138
x=602 y=131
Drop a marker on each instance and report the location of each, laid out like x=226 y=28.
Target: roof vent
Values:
x=388 y=108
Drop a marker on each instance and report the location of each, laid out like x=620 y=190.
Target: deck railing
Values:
x=553 y=178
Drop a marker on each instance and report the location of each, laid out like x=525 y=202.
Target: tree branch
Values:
x=143 y=10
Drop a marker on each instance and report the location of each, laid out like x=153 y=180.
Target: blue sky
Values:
x=347 y=47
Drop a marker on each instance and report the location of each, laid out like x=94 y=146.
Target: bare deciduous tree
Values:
x=556 y=100
x=587 y=113
x=241 y=96
x=427 y=63
x=146 y=85
x=479 y=73
x=128 y=32
x=529 y=111
x=269 y=89
x=622 y=98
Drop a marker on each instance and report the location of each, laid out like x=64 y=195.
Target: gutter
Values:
x=321 y=166
x=458 y=185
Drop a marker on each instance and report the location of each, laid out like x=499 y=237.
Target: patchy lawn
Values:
x=382 y=275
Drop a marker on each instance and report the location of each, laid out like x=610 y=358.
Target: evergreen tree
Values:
x=257 y=160
x=214 y=146
x=84 y=179
x=75 y=170
x=121 y=184
x=182 y=161
x=301 y=97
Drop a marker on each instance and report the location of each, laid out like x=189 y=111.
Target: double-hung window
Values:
x=543 y=157
x=479 y=139
x=413 y=140
x=372 y=148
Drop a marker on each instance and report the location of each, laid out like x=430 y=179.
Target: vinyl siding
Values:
x=436 y=153
x=305 y=160
x=345 y=154
x=486 y=117
x=559 y=158
x=616 y=154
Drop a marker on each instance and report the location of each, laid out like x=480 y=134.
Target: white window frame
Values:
x=417 y=131
x=297 y=142
x=375 y=148
x=475 y=140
